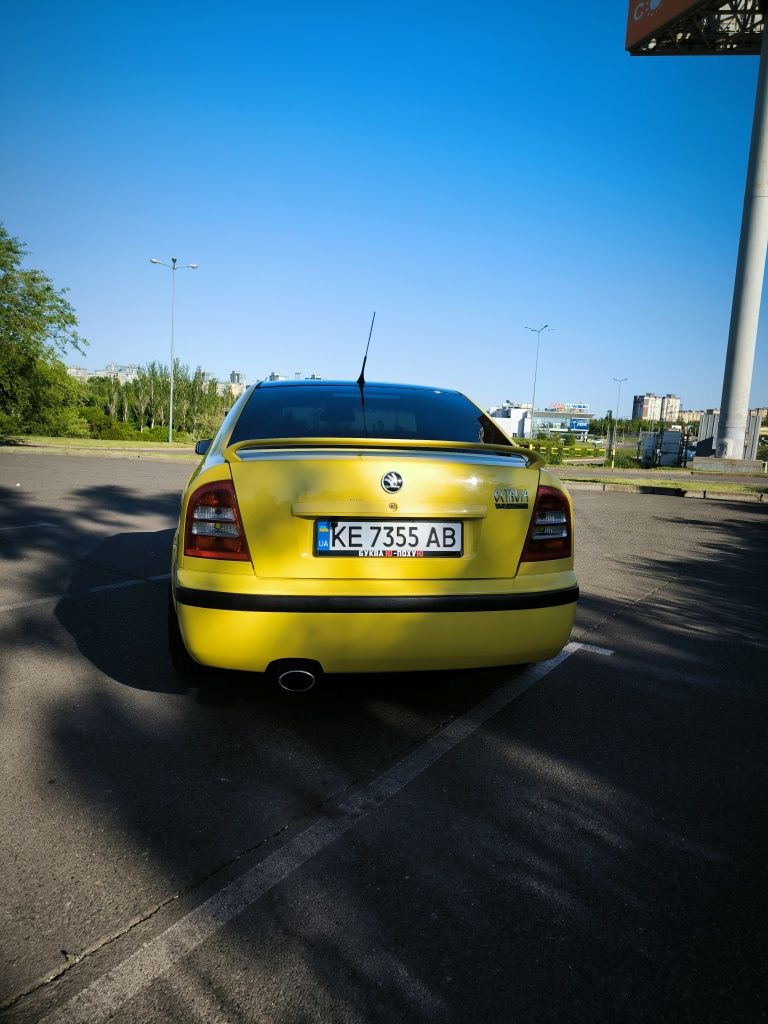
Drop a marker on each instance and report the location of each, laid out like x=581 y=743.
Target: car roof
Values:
x=350 y=383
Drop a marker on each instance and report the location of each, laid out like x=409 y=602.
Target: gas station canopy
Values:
x=665 y=28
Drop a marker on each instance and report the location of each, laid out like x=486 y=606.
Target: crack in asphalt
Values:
x=586 y=631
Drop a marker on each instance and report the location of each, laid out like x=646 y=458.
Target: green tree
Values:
x=114 y=410
x=140 y=395
x=37 y=325
x=158 y=383
x=182 y=396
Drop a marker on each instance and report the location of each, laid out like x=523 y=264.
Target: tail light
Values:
x=213 y=527
x=550 y=534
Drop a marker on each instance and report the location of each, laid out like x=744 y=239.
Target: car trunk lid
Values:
x=289 y=492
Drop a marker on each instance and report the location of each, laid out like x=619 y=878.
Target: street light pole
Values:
x=537 y=331
x=173 y=268
x=619 y=381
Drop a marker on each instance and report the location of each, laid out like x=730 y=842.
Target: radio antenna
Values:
x=361 y=378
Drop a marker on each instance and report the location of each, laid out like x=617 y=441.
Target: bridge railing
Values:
x=555 y=453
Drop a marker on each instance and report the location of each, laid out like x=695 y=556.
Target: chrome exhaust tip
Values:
x=295 y=675
x=296 y=680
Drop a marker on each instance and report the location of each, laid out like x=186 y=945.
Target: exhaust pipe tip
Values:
x=296 y=677
x=296 y=680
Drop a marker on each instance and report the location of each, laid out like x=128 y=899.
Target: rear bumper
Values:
x=374 y=633
x=417 y=604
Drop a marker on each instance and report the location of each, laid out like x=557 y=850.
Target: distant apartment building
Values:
x=226 y=387
x=124 y=373
x=656 y=407
x=237 y=383
x=79 y=372
x=235 y=386
x=298 y=375
x=689 y=416
x=670 y=408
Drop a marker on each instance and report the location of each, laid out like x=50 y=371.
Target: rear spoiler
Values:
x=531 y=458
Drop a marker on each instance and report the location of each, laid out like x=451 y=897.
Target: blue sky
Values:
x=463 y=169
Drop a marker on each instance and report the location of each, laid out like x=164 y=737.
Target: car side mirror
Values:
x=201 y=447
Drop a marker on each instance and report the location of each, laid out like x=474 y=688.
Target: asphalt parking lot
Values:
x=578 y=841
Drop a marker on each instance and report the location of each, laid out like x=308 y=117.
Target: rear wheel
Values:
x=182 y=660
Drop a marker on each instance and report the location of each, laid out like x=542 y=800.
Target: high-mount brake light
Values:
x=550 y=534
x=213 y=527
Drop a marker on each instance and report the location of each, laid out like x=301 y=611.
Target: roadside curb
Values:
x=102 y=453
x=674 y=492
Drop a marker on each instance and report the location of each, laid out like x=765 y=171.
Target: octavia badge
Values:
x=510 y=497
x=391 y=482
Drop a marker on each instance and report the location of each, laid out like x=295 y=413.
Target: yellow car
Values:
x=354 y=527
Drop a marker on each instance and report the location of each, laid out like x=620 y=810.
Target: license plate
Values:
x=366 y=538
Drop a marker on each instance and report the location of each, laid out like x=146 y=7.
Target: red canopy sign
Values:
x=647 y=18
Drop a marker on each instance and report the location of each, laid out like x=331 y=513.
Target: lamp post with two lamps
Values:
x=173 y=268
x=537 y=331
x=619 y=381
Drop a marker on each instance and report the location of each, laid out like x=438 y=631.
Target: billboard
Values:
x=648 y=17
x=579 y=424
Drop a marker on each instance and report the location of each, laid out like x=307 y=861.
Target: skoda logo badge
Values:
x=391 y=482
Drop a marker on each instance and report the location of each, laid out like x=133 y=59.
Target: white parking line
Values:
x=596 y=650
x=84 y=593
x=104 y=996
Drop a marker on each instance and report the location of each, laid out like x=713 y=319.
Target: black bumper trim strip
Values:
x=450 y=603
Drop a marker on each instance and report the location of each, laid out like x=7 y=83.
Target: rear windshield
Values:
x=338 y=411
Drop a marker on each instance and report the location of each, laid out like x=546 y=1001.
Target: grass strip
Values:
x=672 y=485
x=157 y=451
x=91 y=442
